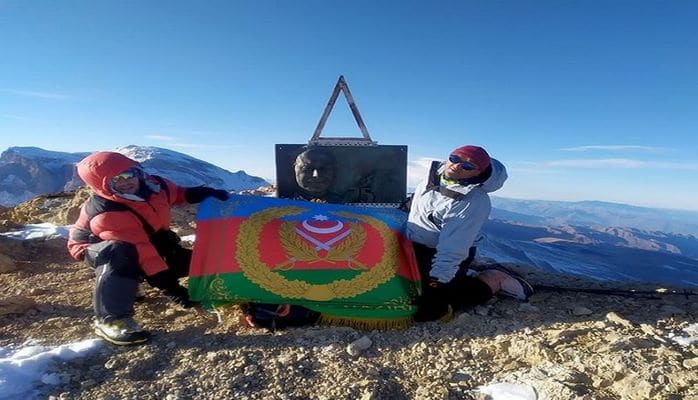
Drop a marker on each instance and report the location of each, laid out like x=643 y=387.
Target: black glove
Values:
x=179 y=295
x=163 y=280
x=433 y=305
x=167 y=282
x=166 y=242
x=198 y=194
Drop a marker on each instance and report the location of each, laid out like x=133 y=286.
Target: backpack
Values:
x=277 y=316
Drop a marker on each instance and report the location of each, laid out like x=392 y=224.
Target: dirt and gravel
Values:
x=563 y=344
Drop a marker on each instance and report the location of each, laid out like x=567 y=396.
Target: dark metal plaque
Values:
x=342 y=174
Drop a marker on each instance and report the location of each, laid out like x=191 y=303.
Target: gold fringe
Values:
x=367 y=324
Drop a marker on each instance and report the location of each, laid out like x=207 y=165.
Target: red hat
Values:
x=477 y=155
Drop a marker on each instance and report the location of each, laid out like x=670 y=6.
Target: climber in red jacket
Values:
x=123 y=232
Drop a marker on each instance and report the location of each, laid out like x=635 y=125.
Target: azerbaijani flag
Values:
x=346 y=262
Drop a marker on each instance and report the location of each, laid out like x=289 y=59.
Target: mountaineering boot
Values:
x=511 y=284
x=517 y=288
x=123 y=331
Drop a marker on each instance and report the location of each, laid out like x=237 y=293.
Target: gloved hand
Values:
x=433 y=304
x=163 y=280
x=166 y=242
x=179 y=295
x=167 y=282
x=199 y=193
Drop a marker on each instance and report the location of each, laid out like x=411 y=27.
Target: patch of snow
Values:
x=22 y=369
x=509 y=391
x=38 y=231
x=692 y=331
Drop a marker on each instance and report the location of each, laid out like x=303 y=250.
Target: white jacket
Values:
x=451 y=225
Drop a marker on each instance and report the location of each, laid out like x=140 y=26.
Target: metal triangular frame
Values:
x=341 y=141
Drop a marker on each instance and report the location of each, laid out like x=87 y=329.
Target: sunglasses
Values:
x=128 y=174
x=466 y=165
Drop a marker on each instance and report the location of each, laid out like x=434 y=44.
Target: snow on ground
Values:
x=509 y=391
x=38 y=231
x=23 y=368
x=692 y=331
x=46 y=230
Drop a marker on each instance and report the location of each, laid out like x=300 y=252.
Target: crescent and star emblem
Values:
x=320 y=238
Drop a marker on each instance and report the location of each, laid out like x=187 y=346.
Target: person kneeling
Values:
x=123 y=233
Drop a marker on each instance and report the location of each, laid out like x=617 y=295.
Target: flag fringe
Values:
x=367 y=324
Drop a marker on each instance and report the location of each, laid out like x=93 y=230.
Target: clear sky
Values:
x=581 y=100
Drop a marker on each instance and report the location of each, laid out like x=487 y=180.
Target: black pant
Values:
x=118 y=274
x=463 y=290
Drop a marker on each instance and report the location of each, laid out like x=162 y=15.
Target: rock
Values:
x=86 y=384
x=368 y=394
x=633 y=387
x=690 y=363
x=580 y=311
x=460 y=377
x=528 y=307
x=483 y=310
x=7 y=264
x=7 y=225
x=358 y=346
x=618 y=320
x=38 y=291
x=51 y=379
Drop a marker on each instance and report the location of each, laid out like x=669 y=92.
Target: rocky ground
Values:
x=564 y=344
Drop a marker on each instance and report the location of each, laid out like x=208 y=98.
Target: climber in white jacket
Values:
x=447 y=212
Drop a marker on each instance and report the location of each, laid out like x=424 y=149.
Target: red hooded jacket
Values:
x=96 y=170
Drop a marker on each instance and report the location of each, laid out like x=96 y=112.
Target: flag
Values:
x=348 y=263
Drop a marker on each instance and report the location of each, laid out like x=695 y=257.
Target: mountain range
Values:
x=604 y=241
x=594 y=213
x=28 y=171
x=603 y=253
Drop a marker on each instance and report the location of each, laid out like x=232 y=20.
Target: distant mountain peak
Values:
x=29 y=171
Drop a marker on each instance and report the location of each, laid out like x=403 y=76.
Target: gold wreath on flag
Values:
x=256 y=271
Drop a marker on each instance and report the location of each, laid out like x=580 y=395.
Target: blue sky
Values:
x=582 y=100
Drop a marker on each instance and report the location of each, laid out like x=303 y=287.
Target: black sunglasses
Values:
x=466 y=165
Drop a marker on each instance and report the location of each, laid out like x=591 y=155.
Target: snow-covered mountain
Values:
x=189 y=171
x=28 y=171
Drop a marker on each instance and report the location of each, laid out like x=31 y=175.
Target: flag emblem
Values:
x=298 y=248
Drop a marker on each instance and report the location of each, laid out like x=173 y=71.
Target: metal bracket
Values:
x=341 y=141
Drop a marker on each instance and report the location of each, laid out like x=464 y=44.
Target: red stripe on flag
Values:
x=216 y=246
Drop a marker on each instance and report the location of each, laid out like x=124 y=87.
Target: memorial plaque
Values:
x=341 y=173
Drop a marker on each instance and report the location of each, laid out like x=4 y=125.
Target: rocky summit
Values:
x=594 y=341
